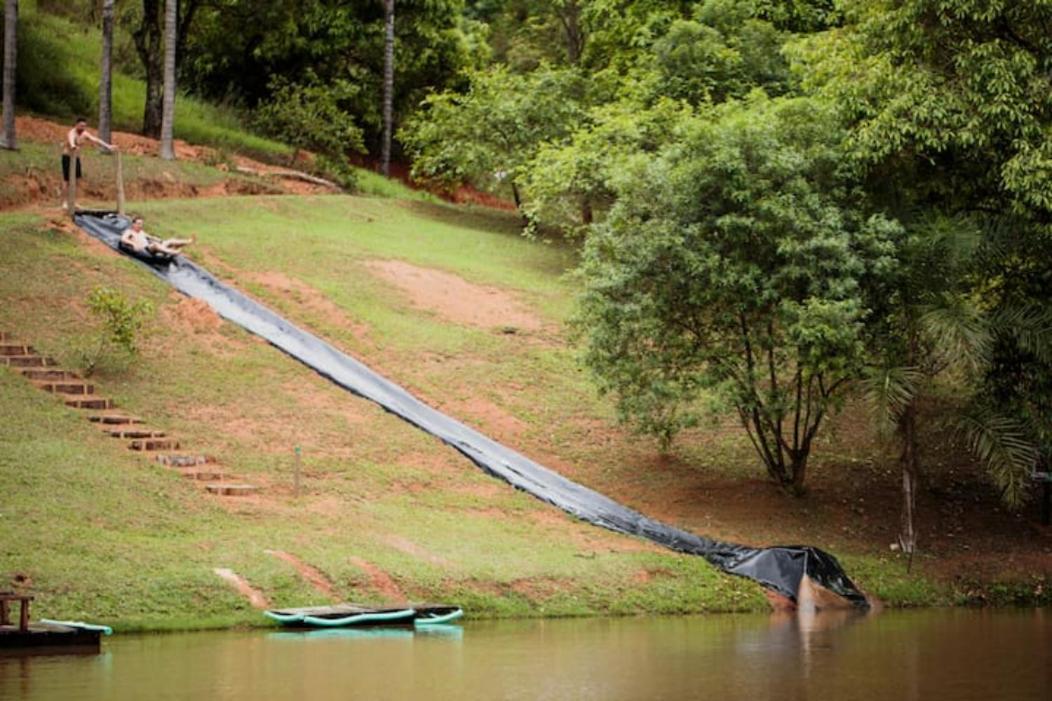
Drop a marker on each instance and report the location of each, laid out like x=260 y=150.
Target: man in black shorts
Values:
x=71 y=149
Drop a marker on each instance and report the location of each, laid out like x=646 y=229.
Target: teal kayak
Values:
x=359 y=619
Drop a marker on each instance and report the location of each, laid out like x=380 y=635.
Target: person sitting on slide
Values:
x=136 y=240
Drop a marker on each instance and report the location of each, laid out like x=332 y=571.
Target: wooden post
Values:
x=71 y=189
x=23 y=618
x=1046 y=506
x=120 y=184
x=296 y=472
x=5 y=612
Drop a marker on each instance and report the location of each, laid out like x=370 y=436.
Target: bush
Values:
x=310 y=117
x=120 y=323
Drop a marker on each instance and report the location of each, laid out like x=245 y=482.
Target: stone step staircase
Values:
x=78 y=393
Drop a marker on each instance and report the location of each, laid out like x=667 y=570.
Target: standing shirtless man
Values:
x=71 y=149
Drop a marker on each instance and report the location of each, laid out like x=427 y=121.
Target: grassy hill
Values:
x=105 y=535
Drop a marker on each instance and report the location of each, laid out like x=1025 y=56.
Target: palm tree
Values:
x=106 y=79
x=936 y=326
x=171 y=15
x=10 y=55
x=388 y=97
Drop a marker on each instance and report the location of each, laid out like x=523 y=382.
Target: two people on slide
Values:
x=134 y=238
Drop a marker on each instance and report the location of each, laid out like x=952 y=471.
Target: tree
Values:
x=487 y=135
x=10 y=57
x=931 y=324
x=106 y=75
x=736 y=265
x=949 y=107
x=148 y=37
x=571 y=183
x=388 y=93
x=168 y=117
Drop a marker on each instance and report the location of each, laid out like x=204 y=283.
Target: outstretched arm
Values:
x=100 y=142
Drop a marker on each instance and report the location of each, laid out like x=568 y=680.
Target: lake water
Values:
x=929 y=655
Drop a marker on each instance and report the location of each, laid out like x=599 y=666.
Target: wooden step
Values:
x=204 y=475
x=16 y=349
x=183 y=460
x=113 y=419
x=134 y=433
x=37 y=375
x=87 y=402
x=27 y=361
x=149 y=445
x=231 y=489
x=67 y=387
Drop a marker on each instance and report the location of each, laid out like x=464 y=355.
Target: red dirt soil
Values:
x=379 y=580
x=455 y=299
x=254 y=596
x=311 y=574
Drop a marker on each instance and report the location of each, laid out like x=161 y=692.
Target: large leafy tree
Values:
x=736 y=262
x=489 y=133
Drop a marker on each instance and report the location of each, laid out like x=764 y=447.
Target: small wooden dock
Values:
x=27 y=638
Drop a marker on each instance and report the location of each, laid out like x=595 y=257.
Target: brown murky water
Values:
x=930 y=655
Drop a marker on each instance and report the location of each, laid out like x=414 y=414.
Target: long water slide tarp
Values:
x=780 y=569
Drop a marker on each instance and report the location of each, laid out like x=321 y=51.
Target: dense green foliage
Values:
x=737 y=260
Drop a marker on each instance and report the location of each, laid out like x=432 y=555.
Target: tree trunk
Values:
x=148 y=46
x=10 y=56
x=171 y=33
x=388 y=96
x=106 y=77
x=910 y=466
x=570 y=17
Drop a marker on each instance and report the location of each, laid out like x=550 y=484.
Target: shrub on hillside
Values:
x=310 y=117
x=116 y=341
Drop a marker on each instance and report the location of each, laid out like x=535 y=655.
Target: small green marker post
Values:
x=296 y=473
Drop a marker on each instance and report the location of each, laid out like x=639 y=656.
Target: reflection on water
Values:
x=954 y=655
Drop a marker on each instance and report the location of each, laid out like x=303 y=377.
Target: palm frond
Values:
x=1003 y=446
x=1030 y=326
x=958 y=331
x=888 y=391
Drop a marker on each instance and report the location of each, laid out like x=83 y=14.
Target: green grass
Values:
x=106 y=536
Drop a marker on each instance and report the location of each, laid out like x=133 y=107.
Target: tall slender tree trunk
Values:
x=10 y=56
x=909 y=463
x=106 y=76
x=171 y=33
x=388 y=98
x=148 y=38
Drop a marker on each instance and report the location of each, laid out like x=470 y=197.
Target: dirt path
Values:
x=311 y=574
x=380 y=580
x=254 y=596
x=455 y=299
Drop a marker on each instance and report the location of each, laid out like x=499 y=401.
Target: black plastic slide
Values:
x=780 y=569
